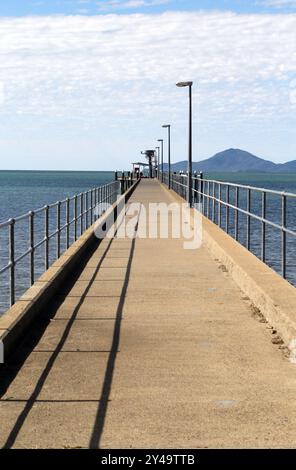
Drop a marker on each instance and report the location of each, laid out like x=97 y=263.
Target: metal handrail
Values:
x=78 y=210
x=204 y=195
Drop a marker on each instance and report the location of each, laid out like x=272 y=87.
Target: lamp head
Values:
x=159 y=140
x=165 y=126
x=184 y=84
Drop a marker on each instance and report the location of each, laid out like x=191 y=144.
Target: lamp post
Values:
x=168 y=127
x=158 y=155
x=189 y=182
x=161 y=141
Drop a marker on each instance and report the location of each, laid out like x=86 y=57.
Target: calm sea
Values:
x=22 y=191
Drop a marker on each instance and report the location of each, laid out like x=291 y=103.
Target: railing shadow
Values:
x=10 y=370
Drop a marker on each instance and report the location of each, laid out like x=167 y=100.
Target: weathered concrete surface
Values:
x=154 y=346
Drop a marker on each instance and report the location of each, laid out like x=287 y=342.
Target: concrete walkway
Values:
x=151 y=346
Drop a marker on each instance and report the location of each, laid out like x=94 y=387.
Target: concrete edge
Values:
x=268 y=291
x=15 y=322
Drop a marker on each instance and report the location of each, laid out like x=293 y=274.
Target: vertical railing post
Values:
x=75 y=218
x=227 y=209
x=58 y=229
x=32 y=249
x=263 y=233
x=208 y=200
x=67 y=223
x=46 y=236
x=201 y=195
x=91 y=206
x=96 y=205
x=214 y=202
x=195 y=189
x=81 y=213
x=219 y=207
x=284 y=236
x=12 y=261
x=248 y=219
x=236 y=228
x=86 y=209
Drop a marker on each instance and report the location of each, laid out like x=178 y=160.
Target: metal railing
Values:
x=50 y=228
x=246 y=213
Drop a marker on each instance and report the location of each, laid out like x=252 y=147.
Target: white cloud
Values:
x=126 y=4
x=279 y=3
x=105 y=66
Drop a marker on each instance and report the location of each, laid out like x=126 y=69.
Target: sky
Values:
x=86 y=85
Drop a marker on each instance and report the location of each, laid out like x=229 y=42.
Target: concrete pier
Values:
x=148 y=345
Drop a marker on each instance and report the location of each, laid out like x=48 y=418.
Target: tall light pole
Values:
x=189 y=182
x=161 y=141
x=158 y=155
x=168 y=127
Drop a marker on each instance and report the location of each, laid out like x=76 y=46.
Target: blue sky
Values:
x=91 y=7
x=87 y=84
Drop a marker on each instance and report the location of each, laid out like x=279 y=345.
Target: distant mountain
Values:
x=235 y=160
x=289 y=167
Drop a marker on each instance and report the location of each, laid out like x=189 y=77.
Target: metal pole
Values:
x=31 y=228
x=263 y=234
x=67 y=222
x=284 y=236
x=248 y=219
x=58 y=230
x=189 y=191
x=162 y=160
x=81 y=213
x=12 y=261
x=168 y=126
x=227 y=208
x=236 y=213
x=75 y=218
x=46 y=237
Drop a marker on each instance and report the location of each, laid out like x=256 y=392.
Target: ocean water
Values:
x=278 y=182
x=22 y=191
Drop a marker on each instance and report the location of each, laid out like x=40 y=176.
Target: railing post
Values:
x=213 y=202
x=219 y=207
x=208 y=200
x=284 y=236
x=67 y=222
x=96 y=205
x=32 y=249
x=46 y=237
x=263 y=234
x=86 y=209
x=75 y=218
x=81 y=213
x=58 y=229
x=227 y=208
x=12 y=261
x=248 y=219
x=91 y=206
x=195 y=189
x=236 y=212
x=201 y=195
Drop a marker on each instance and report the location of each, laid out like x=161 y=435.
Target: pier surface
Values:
x=149 y=346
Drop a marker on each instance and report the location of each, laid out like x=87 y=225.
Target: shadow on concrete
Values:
x=11 y=369
x=107 y=384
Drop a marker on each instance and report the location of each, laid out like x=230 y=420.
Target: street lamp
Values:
x=189 y=182
x=158 y=155
x=168 y=127
x=161 y=141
